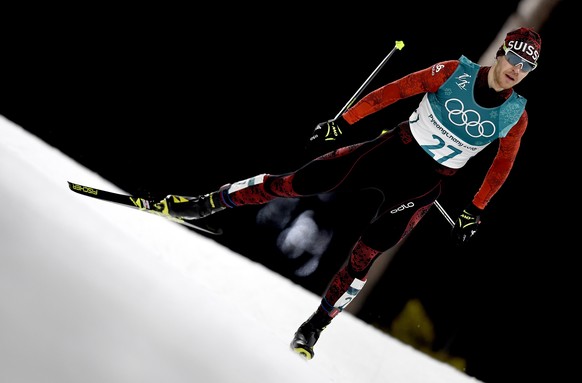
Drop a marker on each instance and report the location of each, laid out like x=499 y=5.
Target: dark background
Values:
x=179 y=101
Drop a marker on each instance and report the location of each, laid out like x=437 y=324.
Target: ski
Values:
x=139 y=204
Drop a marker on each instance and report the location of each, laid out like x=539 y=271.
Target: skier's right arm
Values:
x=422 y=81
x=328 y=134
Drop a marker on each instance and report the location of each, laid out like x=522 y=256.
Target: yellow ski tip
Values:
x=399 y=45
x=303 y=352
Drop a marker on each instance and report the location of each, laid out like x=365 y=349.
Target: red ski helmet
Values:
x=524 y=42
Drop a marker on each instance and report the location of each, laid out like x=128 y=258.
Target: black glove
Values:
x=467 y=224
x=327 y=136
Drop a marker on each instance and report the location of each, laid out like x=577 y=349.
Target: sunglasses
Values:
x=518 y=61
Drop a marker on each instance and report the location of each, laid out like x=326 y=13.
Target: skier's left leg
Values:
x=344 y=287
x=386 y=231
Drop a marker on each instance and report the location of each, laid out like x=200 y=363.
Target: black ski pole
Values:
x=444 y=213
x=397 y=46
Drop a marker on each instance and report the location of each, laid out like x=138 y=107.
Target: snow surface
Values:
x=95 y=292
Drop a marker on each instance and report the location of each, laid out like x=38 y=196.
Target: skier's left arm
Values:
x=468 y=221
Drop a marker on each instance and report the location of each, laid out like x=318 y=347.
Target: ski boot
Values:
x=192 y=207
x=308 y=334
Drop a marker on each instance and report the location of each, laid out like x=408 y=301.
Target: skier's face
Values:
x=506 y=75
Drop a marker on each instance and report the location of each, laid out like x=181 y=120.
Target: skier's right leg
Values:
x=249 y=191
x=256 y=190
x=329 y=172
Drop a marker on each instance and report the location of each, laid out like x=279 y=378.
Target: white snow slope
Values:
x=93 y=292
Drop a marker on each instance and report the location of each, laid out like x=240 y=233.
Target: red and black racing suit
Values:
x=394 y=165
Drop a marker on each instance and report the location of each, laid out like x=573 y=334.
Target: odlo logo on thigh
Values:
x=402 y=207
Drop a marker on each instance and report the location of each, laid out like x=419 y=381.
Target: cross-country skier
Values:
x=464 y=108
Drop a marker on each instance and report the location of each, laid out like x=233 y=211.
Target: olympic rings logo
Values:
x=470 y=119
